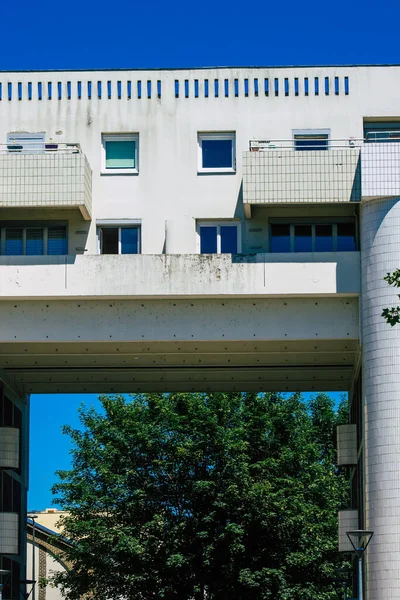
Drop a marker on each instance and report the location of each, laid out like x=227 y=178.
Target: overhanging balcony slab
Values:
x=46 y=180
x=286 y=176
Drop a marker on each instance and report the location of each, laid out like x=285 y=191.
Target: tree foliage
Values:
x=392 y=315
x=194 y=496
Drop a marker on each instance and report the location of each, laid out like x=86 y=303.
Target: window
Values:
x=33 y=240
x=313 y=237
x=376 y=131
x=216 y=153
x=26 y=143
x=311 y=139
x=218 y=237
x=119 y=240
x=120 y=153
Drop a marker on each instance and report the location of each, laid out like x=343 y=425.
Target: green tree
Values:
x=392 y=315
x=195 y=496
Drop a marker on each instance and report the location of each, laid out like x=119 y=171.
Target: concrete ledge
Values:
x=175 y=275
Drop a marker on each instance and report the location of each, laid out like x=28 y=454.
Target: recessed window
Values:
x=311 y=139
x=216 y=153
x=25 y=143
x=120 y=153
x=33 y=241
x=218 y=238
x=119 y=240
x=313 y=237
x=377 y=131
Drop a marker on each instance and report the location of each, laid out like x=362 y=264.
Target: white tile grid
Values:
x=9 y=533
x=9 y=447
x=380 y=253
x=53 y=181
x=276 y=176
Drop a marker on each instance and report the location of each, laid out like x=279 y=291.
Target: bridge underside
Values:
x=202 y=345
x=180 y=366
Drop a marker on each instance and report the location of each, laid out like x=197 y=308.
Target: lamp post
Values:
x=33 y=517
x=3 y=572
x=359 y=539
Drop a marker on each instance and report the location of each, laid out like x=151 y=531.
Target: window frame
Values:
x=215 y=136
x=313 y=223
x=218 y=224
x=119 y=137
x=32 y=225
x=310 y=134
x=109 y=224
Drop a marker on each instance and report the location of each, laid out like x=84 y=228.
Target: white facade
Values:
x=261 y=269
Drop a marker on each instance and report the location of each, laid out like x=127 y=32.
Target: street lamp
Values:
x=359 y=539
x=3 y=572
x=33 y=517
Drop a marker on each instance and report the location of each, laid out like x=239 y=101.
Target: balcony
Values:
x=51 y=176
x=276 y=172
x=180 y=276
x=380 y=167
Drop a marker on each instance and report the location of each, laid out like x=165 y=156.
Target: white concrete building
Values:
x=205 y=229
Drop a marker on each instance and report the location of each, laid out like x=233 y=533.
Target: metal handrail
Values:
x=39 y=147
x=325 y=142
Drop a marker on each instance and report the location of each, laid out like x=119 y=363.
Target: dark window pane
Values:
x=8 y=413
x=312 y=142
x=208 y=240
x=16 y=496
x=302 y=238
x=17 y=418
x=229 y=239
x=14 y=243
x=346 y=237
x=34 y=242
x=109 y=240
x=217 y=154
x=57 y=241
x=7 y=493
x=280 y=238
x=323 y=238
x=129 y=240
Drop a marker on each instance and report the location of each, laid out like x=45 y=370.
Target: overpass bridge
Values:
x=204 y=229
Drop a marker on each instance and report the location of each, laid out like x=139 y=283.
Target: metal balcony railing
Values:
x=38 y=147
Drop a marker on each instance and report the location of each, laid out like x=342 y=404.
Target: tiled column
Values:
x=380 y=251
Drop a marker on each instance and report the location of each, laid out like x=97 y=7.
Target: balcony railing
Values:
x=320 y=170
x=45 y=175
x=300 y=171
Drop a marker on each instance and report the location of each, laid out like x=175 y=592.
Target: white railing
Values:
x=39 y=147
x=322 y=142
x=304 y=143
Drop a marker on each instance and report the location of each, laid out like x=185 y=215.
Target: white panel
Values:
x=9 y=448
x=9 y=533
x=348 y=521
x=347 y=445
x=168 y=276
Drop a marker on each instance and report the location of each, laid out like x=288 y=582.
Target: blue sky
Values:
x=88 y=34
x=49 y=448
x=179 y=33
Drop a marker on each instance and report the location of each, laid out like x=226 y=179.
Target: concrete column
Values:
x=380 y=253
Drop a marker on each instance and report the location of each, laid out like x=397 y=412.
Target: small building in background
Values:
x=49 y=546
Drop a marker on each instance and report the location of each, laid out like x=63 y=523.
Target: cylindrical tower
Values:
x=380 y=253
